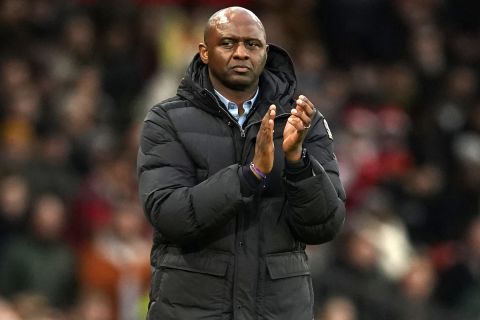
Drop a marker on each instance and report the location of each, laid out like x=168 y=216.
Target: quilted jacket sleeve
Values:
x=177 y=206
x=316 y=205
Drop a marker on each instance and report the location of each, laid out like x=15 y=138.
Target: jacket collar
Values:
x=277 y=83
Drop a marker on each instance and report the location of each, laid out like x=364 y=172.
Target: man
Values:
x=236 y=175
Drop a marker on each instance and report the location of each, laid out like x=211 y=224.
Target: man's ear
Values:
x=203 y=50
x=266 y=54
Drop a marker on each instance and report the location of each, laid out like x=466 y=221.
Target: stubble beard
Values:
x=239 y=85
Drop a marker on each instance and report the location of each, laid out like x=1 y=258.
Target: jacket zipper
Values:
x=239 y=237
x=244 y=153
x=225 y=112
x=239 y=242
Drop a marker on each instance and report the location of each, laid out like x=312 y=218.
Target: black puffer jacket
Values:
x=222 y=250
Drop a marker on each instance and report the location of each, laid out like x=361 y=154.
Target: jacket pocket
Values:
x=287 y=288
x=188 y=283
x=211 y=263
x=285 y=265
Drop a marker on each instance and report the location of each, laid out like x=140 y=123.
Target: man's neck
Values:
x=236 y=96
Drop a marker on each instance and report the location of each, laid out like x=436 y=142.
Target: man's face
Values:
x=235 y=51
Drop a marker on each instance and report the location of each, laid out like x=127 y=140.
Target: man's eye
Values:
x=227 y=43
x=252 y=44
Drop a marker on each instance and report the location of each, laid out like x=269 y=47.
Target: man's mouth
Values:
x=241 y=69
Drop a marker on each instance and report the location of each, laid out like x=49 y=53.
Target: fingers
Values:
x=264 y=146
x=303 y=119
x=268 y=120
x=297 y=122
x=304 y=111
x=304 y=105
x=272 y=111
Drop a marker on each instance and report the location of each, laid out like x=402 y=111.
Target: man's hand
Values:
x=296 y=128
x=263 y=158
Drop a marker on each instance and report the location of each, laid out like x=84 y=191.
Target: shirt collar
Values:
x=226 y=102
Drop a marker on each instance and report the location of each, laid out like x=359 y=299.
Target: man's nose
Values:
x=241 y=51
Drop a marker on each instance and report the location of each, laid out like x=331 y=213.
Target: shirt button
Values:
x=241 y=243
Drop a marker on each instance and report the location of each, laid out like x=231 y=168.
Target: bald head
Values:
x=235 y=51
x=228 y=15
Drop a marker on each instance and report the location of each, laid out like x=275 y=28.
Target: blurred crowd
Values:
x=397 y=80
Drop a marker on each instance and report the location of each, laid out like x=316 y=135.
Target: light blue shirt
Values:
x=233 y=108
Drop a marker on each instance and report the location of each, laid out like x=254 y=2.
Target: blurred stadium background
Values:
x=397 y=80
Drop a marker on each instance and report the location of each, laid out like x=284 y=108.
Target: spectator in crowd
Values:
x=40 y=262
x=337 y=308
x=7 y=312
x=459 y=285
x=417 y=292
x=93 y=305
x=116 y=264
x=14 y=206
x=354 y=273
